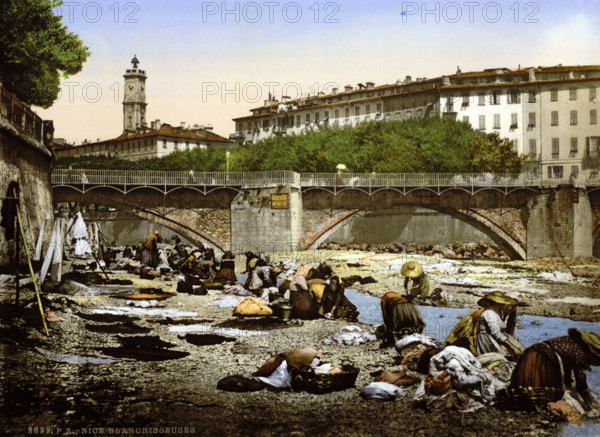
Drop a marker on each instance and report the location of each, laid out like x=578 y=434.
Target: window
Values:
x=336 y=113
x=514 y=120
x=187 y=145
x=592 y=93
x=573 y=118
x=532 y=148
x=482 y=122
x=573 y=150
x=532 y=97
x=368 y=109
x=307 y=118
x=555 y=148
x=554 y=95
x=592 y=144
x=574 y=171
x=379 y=107
x=515 y=145
x=466 y=119
x=326 y=116
x=357 y=111
x=481 y=97
x=298 y=120
x=593 y=116
x=176 y=145
x=572 y=93
x=554 y=118
x=496 y=97
x=197 y=144
x=555 y=172
x=450 y=104
x=466 y=98
x=347 y=112
x=496 y=121
x=265 y=124
x=514 y=97
x=317 y=117
x=531 y=122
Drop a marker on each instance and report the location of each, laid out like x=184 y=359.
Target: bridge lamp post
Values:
x=227 y=155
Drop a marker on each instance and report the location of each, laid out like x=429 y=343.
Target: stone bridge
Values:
x=527 y=217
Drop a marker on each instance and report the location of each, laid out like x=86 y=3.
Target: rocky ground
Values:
x=179 y=396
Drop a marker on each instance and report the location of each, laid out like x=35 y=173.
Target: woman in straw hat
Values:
x=416 y=282
x=494 y=334
x=549 y=365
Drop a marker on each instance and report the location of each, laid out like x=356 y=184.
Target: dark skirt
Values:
x=537 y=367
x=149 y=257
x=403 y=315
x=226 y=275
x=304 y=305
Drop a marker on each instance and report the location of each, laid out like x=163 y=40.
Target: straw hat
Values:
x=411 y=269
x=497 y=297
x=589 y=338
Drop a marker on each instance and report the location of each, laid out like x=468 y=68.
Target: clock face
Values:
x=130 y=89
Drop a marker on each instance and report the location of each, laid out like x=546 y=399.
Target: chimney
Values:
x=182 y=124
x=531 y=75
x=348 y=88
x=407 y=79
x=370 y=85
x=158 y=125
x=334 y=91
x=445 y=81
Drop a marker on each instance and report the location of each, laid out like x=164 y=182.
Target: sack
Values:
x=439 y=384
x=252 y=306
x=280 y=378
x=464 y=334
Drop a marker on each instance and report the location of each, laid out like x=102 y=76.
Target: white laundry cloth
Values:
x=466 y=372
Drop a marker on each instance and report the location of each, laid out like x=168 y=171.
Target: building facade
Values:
x=549 y=114
x=138 y=141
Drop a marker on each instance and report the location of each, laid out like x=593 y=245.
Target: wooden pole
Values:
x=37 y=292
x=17 y=262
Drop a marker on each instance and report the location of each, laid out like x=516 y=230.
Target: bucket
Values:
x=285 y=312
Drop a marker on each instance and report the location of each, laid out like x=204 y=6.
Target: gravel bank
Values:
x=181 y=393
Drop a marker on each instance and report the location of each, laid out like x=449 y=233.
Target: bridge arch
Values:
x=457 y=202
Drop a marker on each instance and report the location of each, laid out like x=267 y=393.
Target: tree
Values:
x=37 y=50
x=490 y=153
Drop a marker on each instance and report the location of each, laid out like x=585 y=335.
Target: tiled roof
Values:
x=166 y=130
x=485 y=73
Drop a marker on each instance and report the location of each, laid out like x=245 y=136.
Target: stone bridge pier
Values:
x=559 y=223
x=267 y=219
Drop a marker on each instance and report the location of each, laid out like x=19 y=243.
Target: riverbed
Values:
x=114 y=366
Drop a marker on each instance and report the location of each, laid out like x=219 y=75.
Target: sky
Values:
x=209 y=62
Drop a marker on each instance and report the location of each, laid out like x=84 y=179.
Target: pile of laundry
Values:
x=350 y=335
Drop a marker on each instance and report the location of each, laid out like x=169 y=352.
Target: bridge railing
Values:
x=266 y=178
x=171 y=178
x=417 y=179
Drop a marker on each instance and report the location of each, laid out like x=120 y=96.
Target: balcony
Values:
x=21 y=117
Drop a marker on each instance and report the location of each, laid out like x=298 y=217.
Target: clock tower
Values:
x=134 y=100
